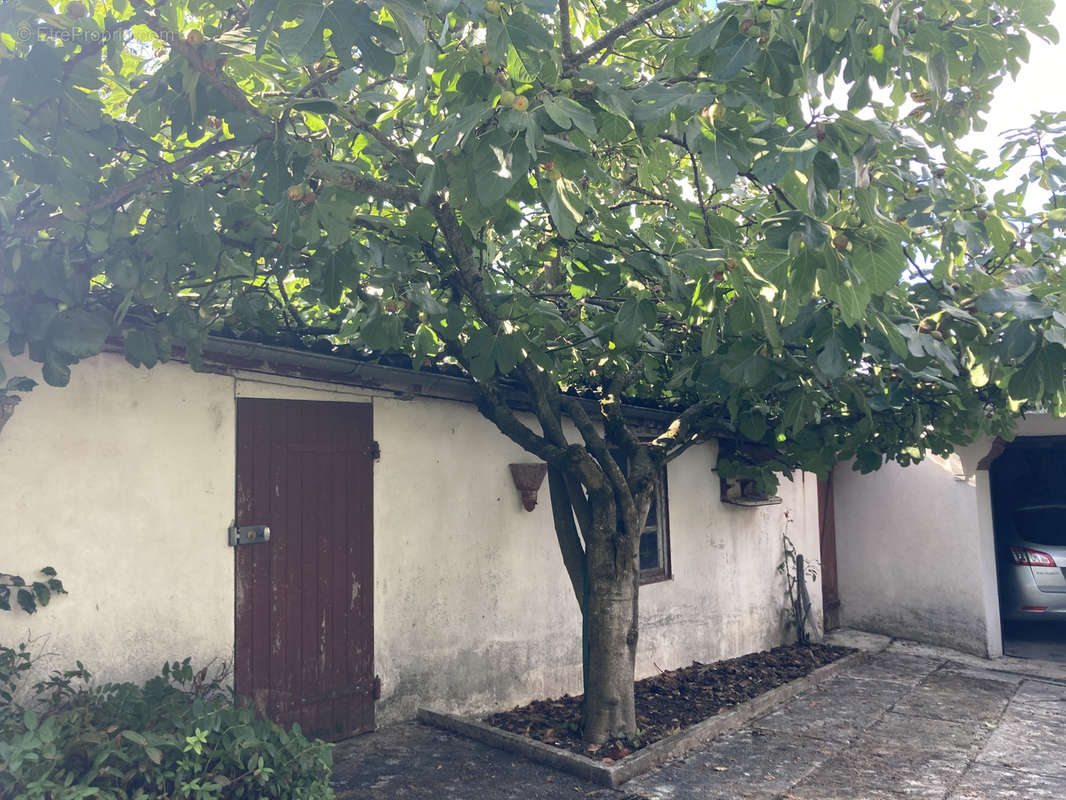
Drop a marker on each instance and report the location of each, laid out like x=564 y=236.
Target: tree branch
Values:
x=918 y=269
x=121 y=194
x=545 y=397
x=597 y=447
x=335 y=172
x=566 y=532
x=542 y=393
x=580 y=503
x=564 y=30
x=620 y=30
x=93 y=48
x=401 y=154
x=615 y=425
x=318 y=80
x=699 y=197
x=292 y=309
x=681 y=433
x=777 y=190
x=494 y=407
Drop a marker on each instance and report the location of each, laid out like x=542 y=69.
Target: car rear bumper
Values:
x=1048 y=615
x=1023 y=599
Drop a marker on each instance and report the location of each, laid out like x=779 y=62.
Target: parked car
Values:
x=1033 y=563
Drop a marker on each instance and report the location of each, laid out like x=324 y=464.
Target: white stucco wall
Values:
x=473 y=607
x=916 y=548
x=909 y=561
x=124 y=482
x=726 y=597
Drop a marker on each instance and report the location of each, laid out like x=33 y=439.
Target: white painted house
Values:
x=455 y=597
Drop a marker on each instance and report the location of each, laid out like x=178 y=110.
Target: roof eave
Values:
x=231 y=354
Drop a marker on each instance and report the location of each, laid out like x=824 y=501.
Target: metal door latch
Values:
x=248 y=534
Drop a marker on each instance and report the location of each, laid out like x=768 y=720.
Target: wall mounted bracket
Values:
x=527 y=479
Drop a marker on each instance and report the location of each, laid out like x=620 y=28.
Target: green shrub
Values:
x=177 y=736
x=14 y=664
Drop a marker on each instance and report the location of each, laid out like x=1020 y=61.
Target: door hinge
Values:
x=248 y=534
x=377 y=687
x=374 y=451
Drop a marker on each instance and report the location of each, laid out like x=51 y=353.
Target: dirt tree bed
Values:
x=670 y=701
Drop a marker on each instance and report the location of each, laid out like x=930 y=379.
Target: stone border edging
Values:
x=647 y=758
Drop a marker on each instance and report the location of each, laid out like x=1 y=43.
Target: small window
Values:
x=655 y=538
x=654 y=556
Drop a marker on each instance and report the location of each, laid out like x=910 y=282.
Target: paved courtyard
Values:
x=911 y=722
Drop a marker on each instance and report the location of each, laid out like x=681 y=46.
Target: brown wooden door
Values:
x=304 y=599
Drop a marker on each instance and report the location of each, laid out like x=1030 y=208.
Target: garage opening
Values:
x=1028 y=486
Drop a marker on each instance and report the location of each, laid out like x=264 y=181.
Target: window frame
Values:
x=663 y=571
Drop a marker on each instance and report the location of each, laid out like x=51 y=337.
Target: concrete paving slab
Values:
x=957 y=697
x=838 y=710
x=1030 y=667
x=862 y=640
x=409 y=760
x=962 y=668
x=1036 y=691
x=896 y=667
x=905 y=732
x=1030 y=743
x=888 y=772
x=1038 y=697
x=986 y=782
x=746 y=764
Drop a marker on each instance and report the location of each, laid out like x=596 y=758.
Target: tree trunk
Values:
x=610 y=632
